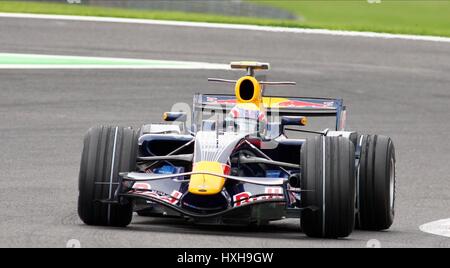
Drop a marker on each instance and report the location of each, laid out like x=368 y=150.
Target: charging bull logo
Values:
x=277 y=103
x=294 y=103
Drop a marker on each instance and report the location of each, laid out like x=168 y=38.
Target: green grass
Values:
x=423 y=17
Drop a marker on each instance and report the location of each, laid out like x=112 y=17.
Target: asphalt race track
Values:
x=399 y=88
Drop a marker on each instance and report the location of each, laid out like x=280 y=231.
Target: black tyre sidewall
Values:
x=334 y=215
x=375 y=212
x=95 y=174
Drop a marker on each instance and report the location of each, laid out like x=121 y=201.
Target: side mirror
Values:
x=294 y=121
x=174 y=116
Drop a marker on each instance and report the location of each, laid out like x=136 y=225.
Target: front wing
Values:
x=257 y=198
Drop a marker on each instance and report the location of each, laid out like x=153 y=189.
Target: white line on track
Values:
x=441 y=228
x=230 y=27
x=137 y=67
x=38 y=61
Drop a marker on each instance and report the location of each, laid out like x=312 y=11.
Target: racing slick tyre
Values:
x=376 y=197
x=107 y=152
x=329 y=184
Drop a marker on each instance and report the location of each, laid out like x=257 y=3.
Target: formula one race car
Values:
x=230 y=161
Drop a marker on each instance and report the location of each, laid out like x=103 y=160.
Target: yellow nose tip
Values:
x=205 y=184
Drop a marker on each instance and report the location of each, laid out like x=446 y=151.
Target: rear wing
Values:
x=282 y=106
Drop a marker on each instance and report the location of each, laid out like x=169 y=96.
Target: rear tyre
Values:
x=107 y=152
x=376 y=198
x=330 y=195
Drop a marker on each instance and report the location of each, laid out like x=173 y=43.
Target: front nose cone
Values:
x=205 y=184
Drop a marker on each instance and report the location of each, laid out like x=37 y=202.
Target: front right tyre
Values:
x=107 y=151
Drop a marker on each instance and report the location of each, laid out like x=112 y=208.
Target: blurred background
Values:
x=239 y=8
x=420 y=17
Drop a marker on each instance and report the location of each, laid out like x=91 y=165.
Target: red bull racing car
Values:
x=230 y=161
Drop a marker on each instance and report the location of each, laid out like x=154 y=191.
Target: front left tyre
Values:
x=376 y=199
x=107 y=152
